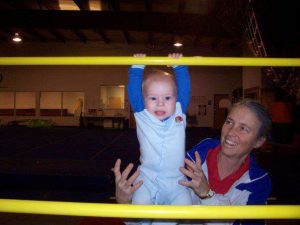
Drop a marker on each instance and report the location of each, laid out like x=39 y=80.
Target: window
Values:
x=61 y=103
x=112 y=97
x=7 y=103
x=73 y=103
x=25 y=103
x=50 y=103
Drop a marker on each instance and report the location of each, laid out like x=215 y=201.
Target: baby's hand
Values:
x=175 y=55
x=139 y=55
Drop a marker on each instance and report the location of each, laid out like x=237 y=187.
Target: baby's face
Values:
x=160 y=97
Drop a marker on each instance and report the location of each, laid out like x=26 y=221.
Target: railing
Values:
x=193 y=61
x=150 y=211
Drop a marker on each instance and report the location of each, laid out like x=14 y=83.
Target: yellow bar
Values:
x=193 y=61
x=147 y=211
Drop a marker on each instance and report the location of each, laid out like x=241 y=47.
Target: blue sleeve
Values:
x=202 y=148
x=260 y=190
x=134 y=89
x=183 y=86
x=261 y=194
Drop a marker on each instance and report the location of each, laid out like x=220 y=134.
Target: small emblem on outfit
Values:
x=178 y=119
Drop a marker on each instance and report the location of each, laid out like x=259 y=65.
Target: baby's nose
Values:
x=161 y=102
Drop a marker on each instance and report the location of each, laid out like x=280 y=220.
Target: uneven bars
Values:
x=150 y=60
x=150 y=211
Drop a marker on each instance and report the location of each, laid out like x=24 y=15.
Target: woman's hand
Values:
x=198 y=181
x=125 y=186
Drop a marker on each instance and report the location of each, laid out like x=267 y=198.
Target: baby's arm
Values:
x=134 y=87
x=183 y=83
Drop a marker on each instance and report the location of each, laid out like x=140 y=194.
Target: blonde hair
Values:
x=155 y=74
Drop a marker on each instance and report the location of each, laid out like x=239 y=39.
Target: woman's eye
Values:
x=245 y=129
x=228 y=122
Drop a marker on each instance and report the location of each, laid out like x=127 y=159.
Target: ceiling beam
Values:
x=18 y=5
x=151 y=39
x=82 y=4
x=196 y=40
x=148 y=6
x=35 y=34
x=57 y=35
x=224 y=13
x=148 y=9
x=181 y=6
x=7 y=5
x=103 y=36
x=80 y=35
x=50 y=5
x=139 y=21
x=114 y=5
x=3 y=38
x=215 y=43
x=4 y=35
x=127 y=37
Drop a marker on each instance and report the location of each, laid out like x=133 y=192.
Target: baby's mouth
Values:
x=160 y=113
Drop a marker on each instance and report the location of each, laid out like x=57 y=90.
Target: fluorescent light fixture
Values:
x=178 y=44
x=17 y=38
x=68 y=5
x=95 y=5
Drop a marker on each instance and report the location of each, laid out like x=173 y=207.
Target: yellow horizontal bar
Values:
x=193 y=61
x=147 y=211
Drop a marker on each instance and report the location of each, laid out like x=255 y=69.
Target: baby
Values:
x=159 y=103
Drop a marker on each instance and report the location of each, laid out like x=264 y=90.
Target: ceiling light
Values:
x=68 y=5
x=17 y=38
x=96 y=5
x=178 y=44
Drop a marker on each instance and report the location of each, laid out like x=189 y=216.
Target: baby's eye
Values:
x=152 y=98
x=168 y=98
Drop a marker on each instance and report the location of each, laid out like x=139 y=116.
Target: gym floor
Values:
x=74 y=164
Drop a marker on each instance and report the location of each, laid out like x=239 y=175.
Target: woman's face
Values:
x=239 y=133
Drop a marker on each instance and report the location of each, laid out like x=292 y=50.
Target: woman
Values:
x=220 y=172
